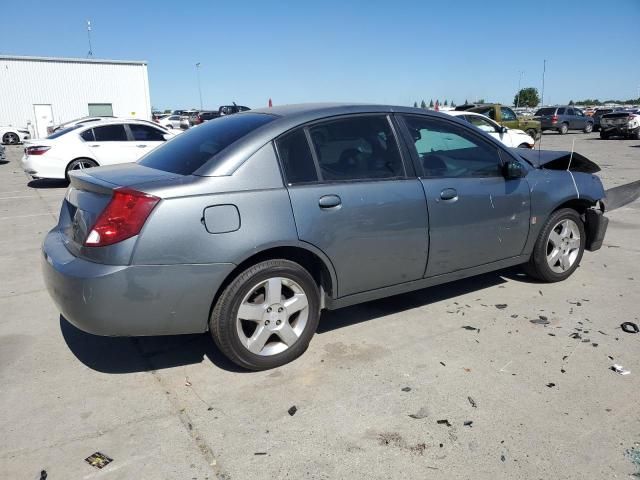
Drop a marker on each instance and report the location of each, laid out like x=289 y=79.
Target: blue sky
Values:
x=363 y=51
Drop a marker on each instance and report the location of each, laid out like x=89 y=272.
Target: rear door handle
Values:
x=329 y=201
x=141 y=146
x=94 y=146
x=449 y=194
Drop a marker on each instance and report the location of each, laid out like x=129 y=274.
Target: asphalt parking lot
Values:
x=384 y=390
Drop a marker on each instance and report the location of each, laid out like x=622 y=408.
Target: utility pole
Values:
x=90 y=54
x=199 y=87
x=519 y=83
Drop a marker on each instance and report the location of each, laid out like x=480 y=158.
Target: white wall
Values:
x=69 y=86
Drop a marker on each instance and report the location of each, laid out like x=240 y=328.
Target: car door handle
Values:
x=94 y=146
x=141 y=146
x=329 y=201
x=449 y=195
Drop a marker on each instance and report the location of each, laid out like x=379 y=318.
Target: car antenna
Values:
x=544 y=70
x=573 y=146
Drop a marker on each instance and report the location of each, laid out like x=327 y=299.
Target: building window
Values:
x=100 y=110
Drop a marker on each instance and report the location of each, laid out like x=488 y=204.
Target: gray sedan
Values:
x=251 y=224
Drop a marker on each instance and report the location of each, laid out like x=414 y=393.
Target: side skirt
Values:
x=333 y=304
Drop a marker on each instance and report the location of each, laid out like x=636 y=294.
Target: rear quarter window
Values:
x=189 y=151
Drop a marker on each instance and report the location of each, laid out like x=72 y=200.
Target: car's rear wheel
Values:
x=588 y=128
x=10 y=138
x=604 y=135
x=564 y=128
x=559 y=248
x=79 y=164
x=267 y=315
x=524 y=145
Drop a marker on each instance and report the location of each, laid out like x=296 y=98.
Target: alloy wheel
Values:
x=272 y=316
x=11 y=138
x=563 y=246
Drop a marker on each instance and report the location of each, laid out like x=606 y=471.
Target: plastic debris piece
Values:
x=468 y=423
x=540 y=292
x=187 y=383
x=43 y=475
x=620 y=369
x=502 y=457
x=469 y=327
x=98 y=460
x=292 y=411
x=443 y=364
x=514 y=316
x=501 y=306
x=562 y=370
x=420 y=414
x=594 y=344
x=472 y=402
x=575 y=335
x=406 y=389
x=444 y=422
x=551 y=384
x=259 y=453
x=629 y=327
x=551 y=334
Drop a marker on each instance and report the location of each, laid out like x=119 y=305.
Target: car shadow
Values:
x=47 y=183
x=119 y=355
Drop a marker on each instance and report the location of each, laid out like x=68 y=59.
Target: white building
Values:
x=38 y=92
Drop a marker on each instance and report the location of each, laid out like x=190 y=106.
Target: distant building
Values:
x=39 y=92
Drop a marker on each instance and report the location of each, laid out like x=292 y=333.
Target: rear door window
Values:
x=110 y=133
x=87 y=135
x=297 y=160
x=561 y=111
x=357 y=148
x=191 y=150
x=545 y=111
x=508 y=115
x=145 y=133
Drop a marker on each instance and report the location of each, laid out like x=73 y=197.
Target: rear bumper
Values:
x=43 y=166
x=130 y=300
x=621 y=130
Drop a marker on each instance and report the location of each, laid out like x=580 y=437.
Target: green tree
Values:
x=466 y=102
x=481 y=100
x=415 y=104
x=446 y=102
x=422 y=104
x=168 y=110
x=526 y=97
x=571 y=102
x=453 y=104
x=431 y=103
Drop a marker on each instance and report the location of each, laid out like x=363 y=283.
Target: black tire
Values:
x=10 y=138
x=636 y=135
x=537 y=267
x=604 y=135
x=222 y=324
x=523 y=145
x=563 y=129
x=74 y=164
x=588 y=128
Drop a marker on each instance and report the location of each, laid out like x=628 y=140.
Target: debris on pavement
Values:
x=292 y=411
x=98 y=460
x=406 y=389
x=620 y=369
x=420 y=414
x=43 y=475
x=187 y=383
x=501 y=306
x=260 y=453
x=551 y=384
x=468 y=423
x=443 y=364
x=502 y=457
x=444 y=422
x=472 y=402
x=469 y=327
x=629 y=327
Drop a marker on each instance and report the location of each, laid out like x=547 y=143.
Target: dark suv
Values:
x=563 y=119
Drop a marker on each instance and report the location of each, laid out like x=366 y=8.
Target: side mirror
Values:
x=168 y=136
x=513 y=169
x=503 y=129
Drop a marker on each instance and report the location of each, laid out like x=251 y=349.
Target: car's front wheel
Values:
x=604 y=135
x=588 y=128
x=267 y=315
x=559 y=248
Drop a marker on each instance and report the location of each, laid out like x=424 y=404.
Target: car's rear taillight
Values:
x=38 y=150
x=123 y=217
x=554 y=119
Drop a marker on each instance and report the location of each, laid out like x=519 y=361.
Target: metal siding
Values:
x=69 y=86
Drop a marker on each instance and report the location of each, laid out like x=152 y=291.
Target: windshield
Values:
x=189 y=151
x=64 y=131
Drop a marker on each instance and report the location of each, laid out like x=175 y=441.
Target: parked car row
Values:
x=510 y=137
x=505 y=116
x=13 y=135
x=564 y=118
x=624 y=123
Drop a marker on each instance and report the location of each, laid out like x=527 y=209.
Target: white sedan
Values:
x=13 y=135
x=170 y=121
x=510 y=137
x=106 y=142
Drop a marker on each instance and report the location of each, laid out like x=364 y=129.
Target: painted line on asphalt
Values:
x=26 y=216
x=32 y=196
